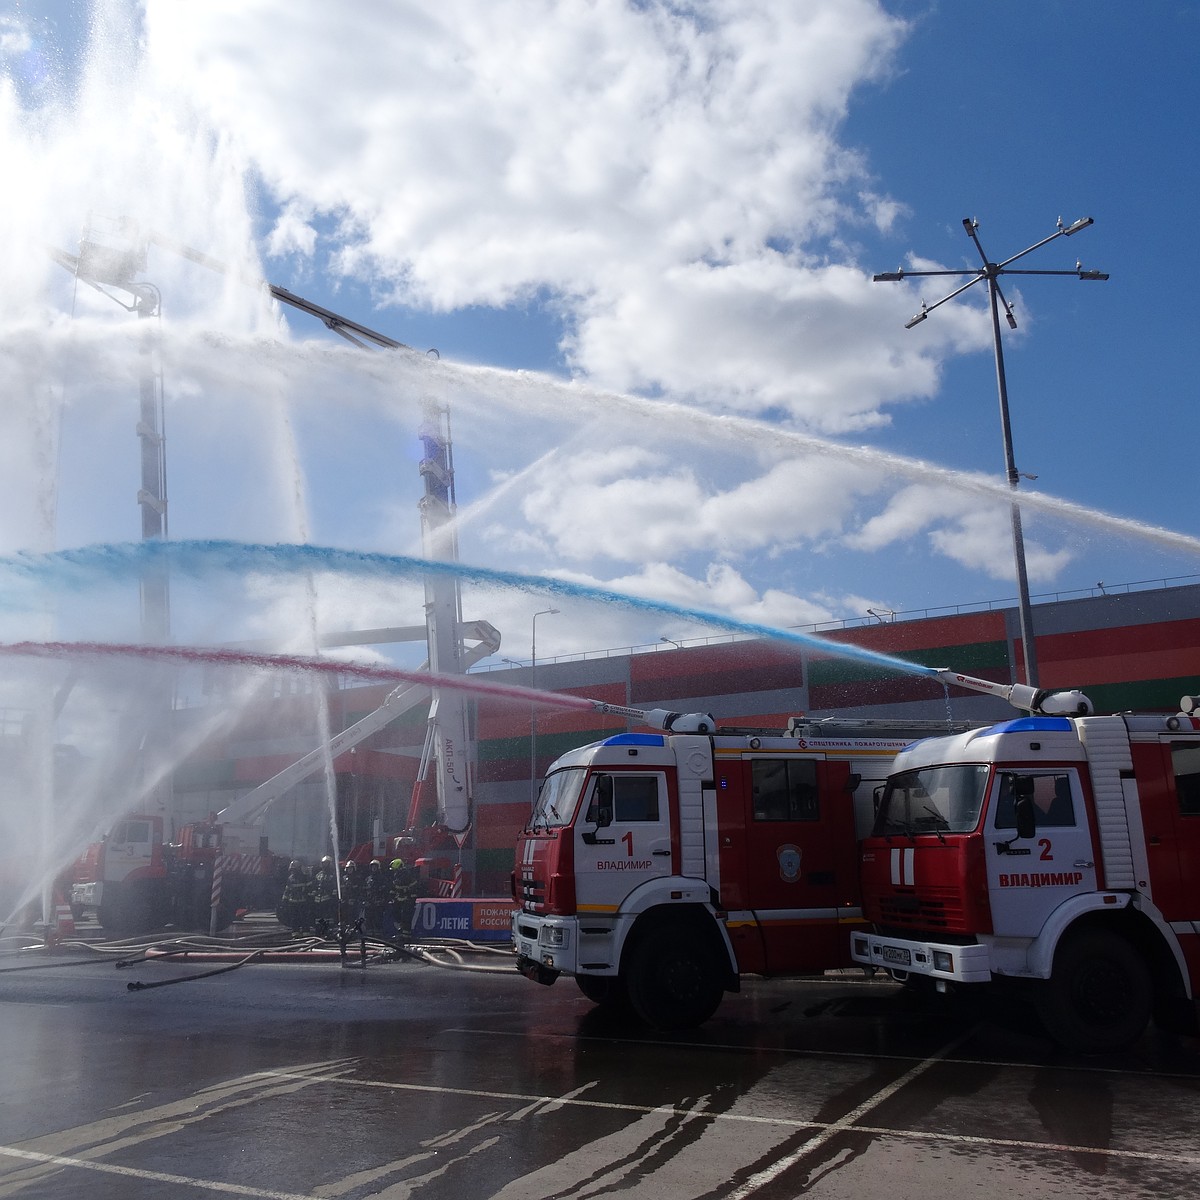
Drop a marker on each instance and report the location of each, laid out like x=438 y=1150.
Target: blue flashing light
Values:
x=635 y=739
x=1033 y=725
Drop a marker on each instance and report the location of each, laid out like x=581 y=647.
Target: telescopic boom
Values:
x=661 y=718
x=1020 y=695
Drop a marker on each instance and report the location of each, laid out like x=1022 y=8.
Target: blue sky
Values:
x=681 y=204
x=1018 y=114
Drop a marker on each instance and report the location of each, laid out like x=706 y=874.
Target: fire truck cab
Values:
x=656 y=868
x=1059 y=853
x=123 y=876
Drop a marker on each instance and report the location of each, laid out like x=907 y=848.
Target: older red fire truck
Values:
x=136 y=881
x=1055 y=854
x=657 y=868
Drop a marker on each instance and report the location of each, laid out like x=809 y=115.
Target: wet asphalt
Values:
x=413 y=1080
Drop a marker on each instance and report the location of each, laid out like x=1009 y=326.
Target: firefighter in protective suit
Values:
x=377 y=895
x=295 y=906
x=352 y=897
x=325 y=896
x=404 y=895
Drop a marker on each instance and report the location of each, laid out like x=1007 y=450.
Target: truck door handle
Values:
x=661 y=853
x=1081 y=862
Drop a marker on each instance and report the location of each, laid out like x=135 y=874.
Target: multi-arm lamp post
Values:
x=991 y=272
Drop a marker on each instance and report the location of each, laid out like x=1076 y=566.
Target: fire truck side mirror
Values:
x=599 y=811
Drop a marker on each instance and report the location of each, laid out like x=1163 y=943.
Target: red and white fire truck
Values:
x=1055 y=854
x=657 y=868
x=135 y=881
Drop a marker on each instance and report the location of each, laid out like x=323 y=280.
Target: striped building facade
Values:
x=1134 y=650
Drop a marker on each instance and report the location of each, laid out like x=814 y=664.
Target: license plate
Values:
x=898 y=955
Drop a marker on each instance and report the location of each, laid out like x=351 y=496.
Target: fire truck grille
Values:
x=934 y=909
x=533 y=894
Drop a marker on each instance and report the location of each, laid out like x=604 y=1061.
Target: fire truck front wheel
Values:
x=128 y=911
x=1099 y=996
x=673 y=977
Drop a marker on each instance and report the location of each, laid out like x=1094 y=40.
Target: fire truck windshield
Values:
x=556 y=801
x=932 y=800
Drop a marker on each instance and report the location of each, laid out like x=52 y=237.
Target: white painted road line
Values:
x=208 y=1185
x=571 y=1100
x=777 y=1168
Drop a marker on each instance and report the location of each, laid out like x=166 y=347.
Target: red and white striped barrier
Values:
x=215 y=899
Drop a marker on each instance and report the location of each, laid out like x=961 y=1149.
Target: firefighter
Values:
x=404 y=895
x=295 y=906
x=324 y=895
x=352 y=897
x=377 y=895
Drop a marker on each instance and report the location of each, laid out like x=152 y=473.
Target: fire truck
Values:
x=135 y=881
x=658 y=868
x=1054 y=856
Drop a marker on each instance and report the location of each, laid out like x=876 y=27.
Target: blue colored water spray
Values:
x=81 y=568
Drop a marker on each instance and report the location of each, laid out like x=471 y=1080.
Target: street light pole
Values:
x=544 y=612
x=991 y=272
x=1024 y=605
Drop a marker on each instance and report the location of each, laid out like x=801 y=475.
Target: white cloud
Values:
x=983 y=542
x=666 y=171
x=14 y=37
x=973 y=535
x=908 y=512
x=292 y=232
x=819 y=344
x=631 y=503
x=721 y=589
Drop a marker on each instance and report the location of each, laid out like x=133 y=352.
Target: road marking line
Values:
x=777 y=1168
x=209 y=1185
x=534 y=1103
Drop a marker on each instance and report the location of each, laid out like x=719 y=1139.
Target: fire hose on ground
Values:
x=350 y=946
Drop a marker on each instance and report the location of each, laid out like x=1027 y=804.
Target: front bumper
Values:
x=548 y=943
x=535 y=970
x=954 y=963
x=87 y=895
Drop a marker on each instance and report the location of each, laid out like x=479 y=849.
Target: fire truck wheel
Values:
x=673 y=978
x=127 y=916
x=1099 y=997
x=607 y=991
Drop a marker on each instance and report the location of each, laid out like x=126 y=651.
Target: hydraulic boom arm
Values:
x=251 y=809
x=1021 y=695
x=661 y=718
